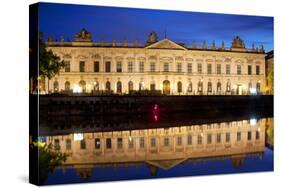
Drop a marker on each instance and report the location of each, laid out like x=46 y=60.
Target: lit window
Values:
x=141 y=66
x=119 y=67
x=130 y=66
x=227 y=69
x=166 y=67
x=141 y=142
x=179 y=67
x=209 y=68
x=189 y=68
x=199 y=68
x=97 y=143
x=218 y=68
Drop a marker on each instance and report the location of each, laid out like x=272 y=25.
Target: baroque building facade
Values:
x=158 y=65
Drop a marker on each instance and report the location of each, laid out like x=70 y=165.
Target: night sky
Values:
x=58 y=20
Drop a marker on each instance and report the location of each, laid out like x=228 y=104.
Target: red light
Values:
x=155 y=118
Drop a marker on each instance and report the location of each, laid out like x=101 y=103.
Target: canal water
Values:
x=158 y=145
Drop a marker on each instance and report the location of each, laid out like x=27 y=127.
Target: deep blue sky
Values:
x=58 y=20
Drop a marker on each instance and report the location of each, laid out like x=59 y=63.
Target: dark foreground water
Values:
x=142 y=171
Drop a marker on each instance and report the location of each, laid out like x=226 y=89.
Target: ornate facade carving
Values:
x=83 y=36
x=237 y=43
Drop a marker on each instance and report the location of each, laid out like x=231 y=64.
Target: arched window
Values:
x=249 y=87
x=152 y=86
x=258 y=87
x=107 y=86
x=189 y=88
x=219 y=87
x=82 y=84
x=209 y=87
x=56 y=86
x=179 y=87
x=96 y=86
x=67 y=86
x=131 y=86
x=200 y=87
x=119 y=87
x=141 y=86
x=228 y=86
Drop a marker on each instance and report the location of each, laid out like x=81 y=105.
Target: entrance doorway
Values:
x=239 y=90
x=166 y=87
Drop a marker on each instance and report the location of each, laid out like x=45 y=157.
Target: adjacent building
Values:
x=164 y=65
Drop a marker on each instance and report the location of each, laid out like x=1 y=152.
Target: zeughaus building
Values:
x=158 y=65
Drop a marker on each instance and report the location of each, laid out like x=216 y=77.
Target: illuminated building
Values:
x=158 y=65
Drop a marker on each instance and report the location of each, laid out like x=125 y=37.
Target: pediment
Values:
x=166 y=44
x=166 y=164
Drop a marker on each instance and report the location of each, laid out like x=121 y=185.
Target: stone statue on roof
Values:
x=83 y=36
x=237 y=43
x=152 y=38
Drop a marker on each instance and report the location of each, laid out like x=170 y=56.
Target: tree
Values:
x=49 y=63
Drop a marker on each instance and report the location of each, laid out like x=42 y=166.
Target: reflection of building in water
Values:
x=163 y=148
x=164 y=65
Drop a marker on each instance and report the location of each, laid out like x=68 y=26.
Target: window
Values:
x=179 y=141
x=257 y=70
x=249 y=135
x=83 y=144
x=228 y=87
x=227 y=69
x=152 y=86
x=56 y=86
x=166 y=141
x=141 y=85
x=238 y=136
x=209 y=68
x=199 y=139
x=209 y=87
x=131 y=86
x=107 y=86
x=227 y=137
x=152 y=142
x=67 y=66
x=119 y=87
x=199 y=68
x=57 y=144
x=166 y=67
x=152 y=67
x=141 y=142
x=141 y=66
x=218 y=87
x=258 y=87
x=97 y=143
x=257 y=135
x=131 y=142
x=189 y=89
x=68 y=144
x=130 y=66
x=67 y=86
x=179 y=67
x=179 y=87
x=119 y=143
x=239 y=69
x=209 y=138
x=218 y=68
x=82 y=66
x=108 y=66
x=218 y=138
x=249 y=69
x=189 y=139
x=189 y=68
x=108 y=143
x=96 y=66
x=200 y=86
x=119 y=67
